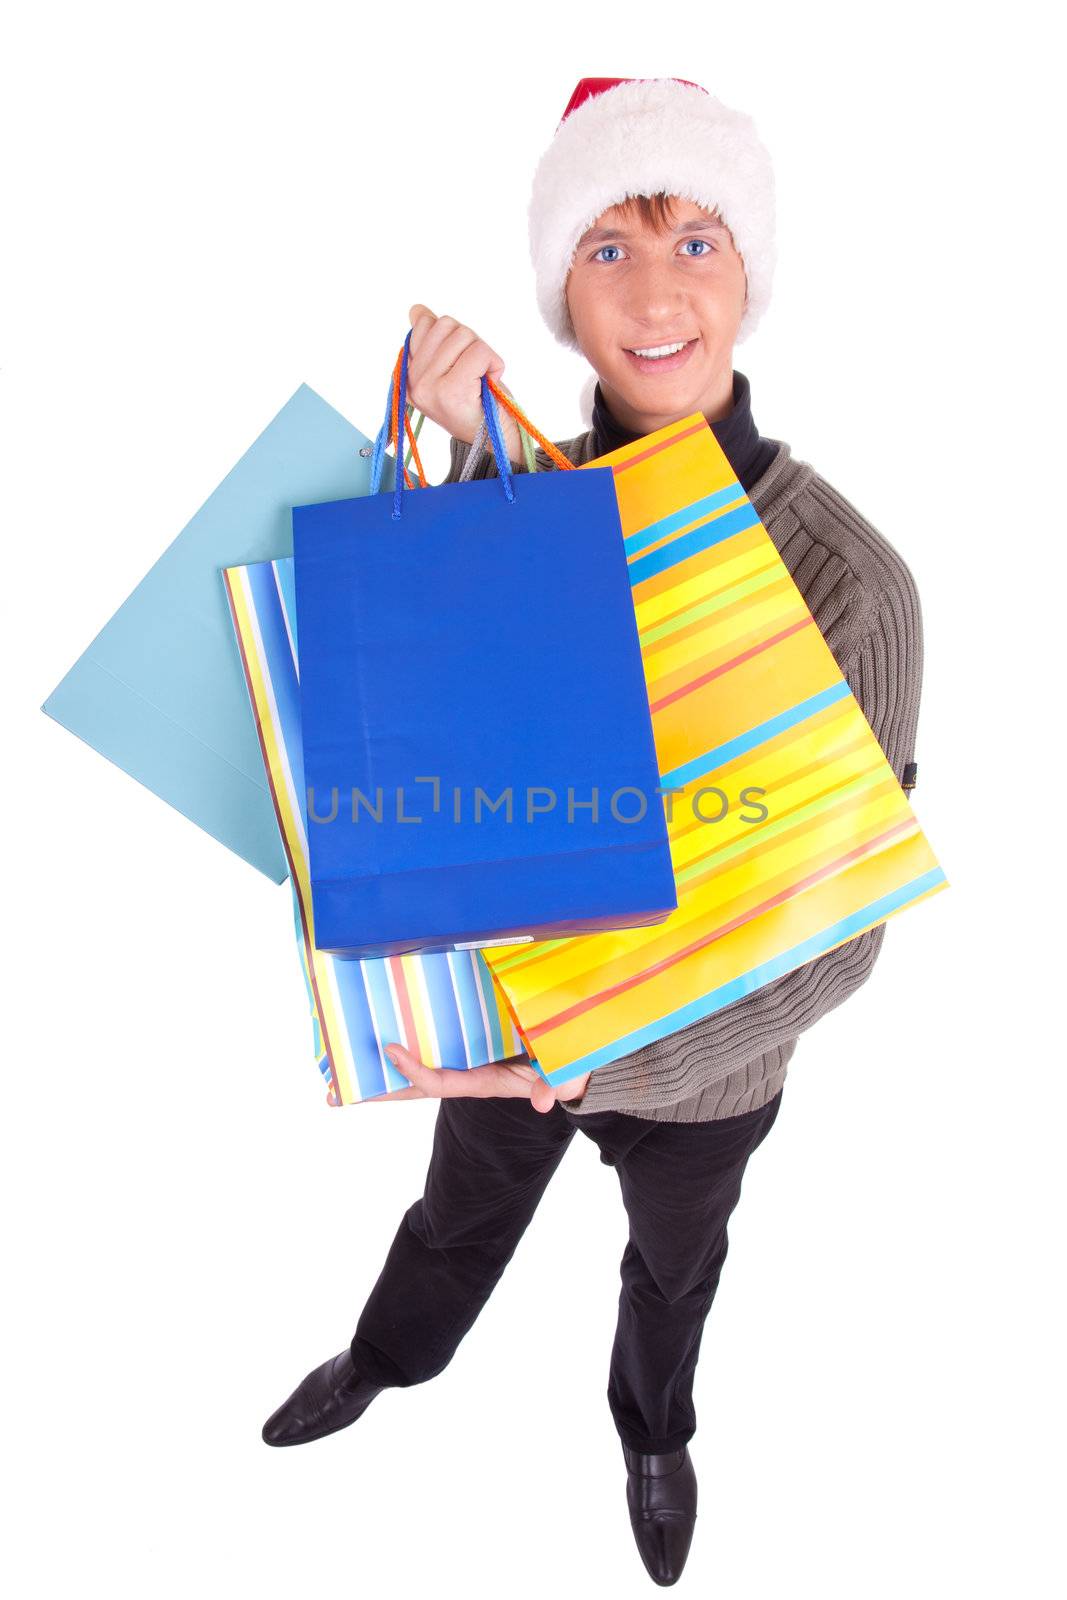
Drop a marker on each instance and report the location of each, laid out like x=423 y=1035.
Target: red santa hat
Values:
x=634 y=136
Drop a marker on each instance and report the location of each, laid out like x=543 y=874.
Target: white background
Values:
x=205 y=206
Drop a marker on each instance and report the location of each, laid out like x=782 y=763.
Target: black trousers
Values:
x=491 y=1163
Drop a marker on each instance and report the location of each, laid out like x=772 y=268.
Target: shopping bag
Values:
x=789 y=830
x=444 y=1008
x=477 y=742
x=159 y=691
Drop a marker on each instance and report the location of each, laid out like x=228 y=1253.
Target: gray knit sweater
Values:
x=864 y=600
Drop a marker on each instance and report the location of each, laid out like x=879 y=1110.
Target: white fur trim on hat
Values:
x=643 y=137
x=587 y=399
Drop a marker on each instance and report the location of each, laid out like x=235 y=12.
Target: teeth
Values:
x=661 y=350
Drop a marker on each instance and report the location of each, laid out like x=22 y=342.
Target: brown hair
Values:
x=656 y=211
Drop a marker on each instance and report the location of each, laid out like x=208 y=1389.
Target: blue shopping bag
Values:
x=160 y=691
x=477 y=740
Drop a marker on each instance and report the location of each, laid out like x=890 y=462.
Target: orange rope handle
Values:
x=423 y=482
x=415 y=454
x=520 y=416
x=555 y=455
x=394 y=424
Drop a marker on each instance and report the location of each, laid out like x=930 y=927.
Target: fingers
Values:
x=394 y=1094
x=452 y=359
x=433 y=1083
x=542 y=1096
x=422 y=320
x=445 y=1083
x=432 y=334
x=422 y=1077
x=403 y=1060
x=447 y=356
x=446 y=366
x=528 y=1073
x=467 y=361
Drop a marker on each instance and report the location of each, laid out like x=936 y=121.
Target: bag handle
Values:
x=390 y=429
x=478 y=444
x=525 y=425
x=396 y=407
x=474 y=450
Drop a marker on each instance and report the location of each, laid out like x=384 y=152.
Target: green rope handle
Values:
x=410 y=409
x=528 y=452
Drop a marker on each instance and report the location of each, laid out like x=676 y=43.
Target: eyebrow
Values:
x=599 y=235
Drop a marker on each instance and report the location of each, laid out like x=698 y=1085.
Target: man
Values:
x=651 y=227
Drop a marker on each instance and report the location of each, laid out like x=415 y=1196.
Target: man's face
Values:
x=631 y=288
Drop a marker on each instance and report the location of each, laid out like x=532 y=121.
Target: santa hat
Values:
x=633 y=136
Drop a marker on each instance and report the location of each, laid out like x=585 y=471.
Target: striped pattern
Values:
x=445 y=1008
x=746 y=695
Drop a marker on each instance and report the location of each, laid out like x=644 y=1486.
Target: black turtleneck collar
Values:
x=748 y=453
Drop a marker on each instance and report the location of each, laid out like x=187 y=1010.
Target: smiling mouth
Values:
x=667 y=346
x=661 y=357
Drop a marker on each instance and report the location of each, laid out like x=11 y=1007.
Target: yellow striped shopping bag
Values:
x=789 y=831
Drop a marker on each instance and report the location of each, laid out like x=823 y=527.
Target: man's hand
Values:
x=573 y=1089
x=446 y=364
x=511 y=1080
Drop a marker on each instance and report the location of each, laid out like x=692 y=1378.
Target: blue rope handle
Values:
x=492 y=417
x=378 y=457
x=401 y=418
x=492 y=420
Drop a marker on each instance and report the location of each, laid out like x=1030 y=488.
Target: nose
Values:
x=656 y=298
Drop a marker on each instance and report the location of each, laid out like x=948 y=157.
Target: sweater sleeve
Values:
x=885 y=675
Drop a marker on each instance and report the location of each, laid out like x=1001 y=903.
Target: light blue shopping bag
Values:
x=160 y=690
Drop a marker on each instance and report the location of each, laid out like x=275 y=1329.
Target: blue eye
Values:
x=704 y=248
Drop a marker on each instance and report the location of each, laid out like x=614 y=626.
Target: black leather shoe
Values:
x=328 y=1399
x=661 y=1492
